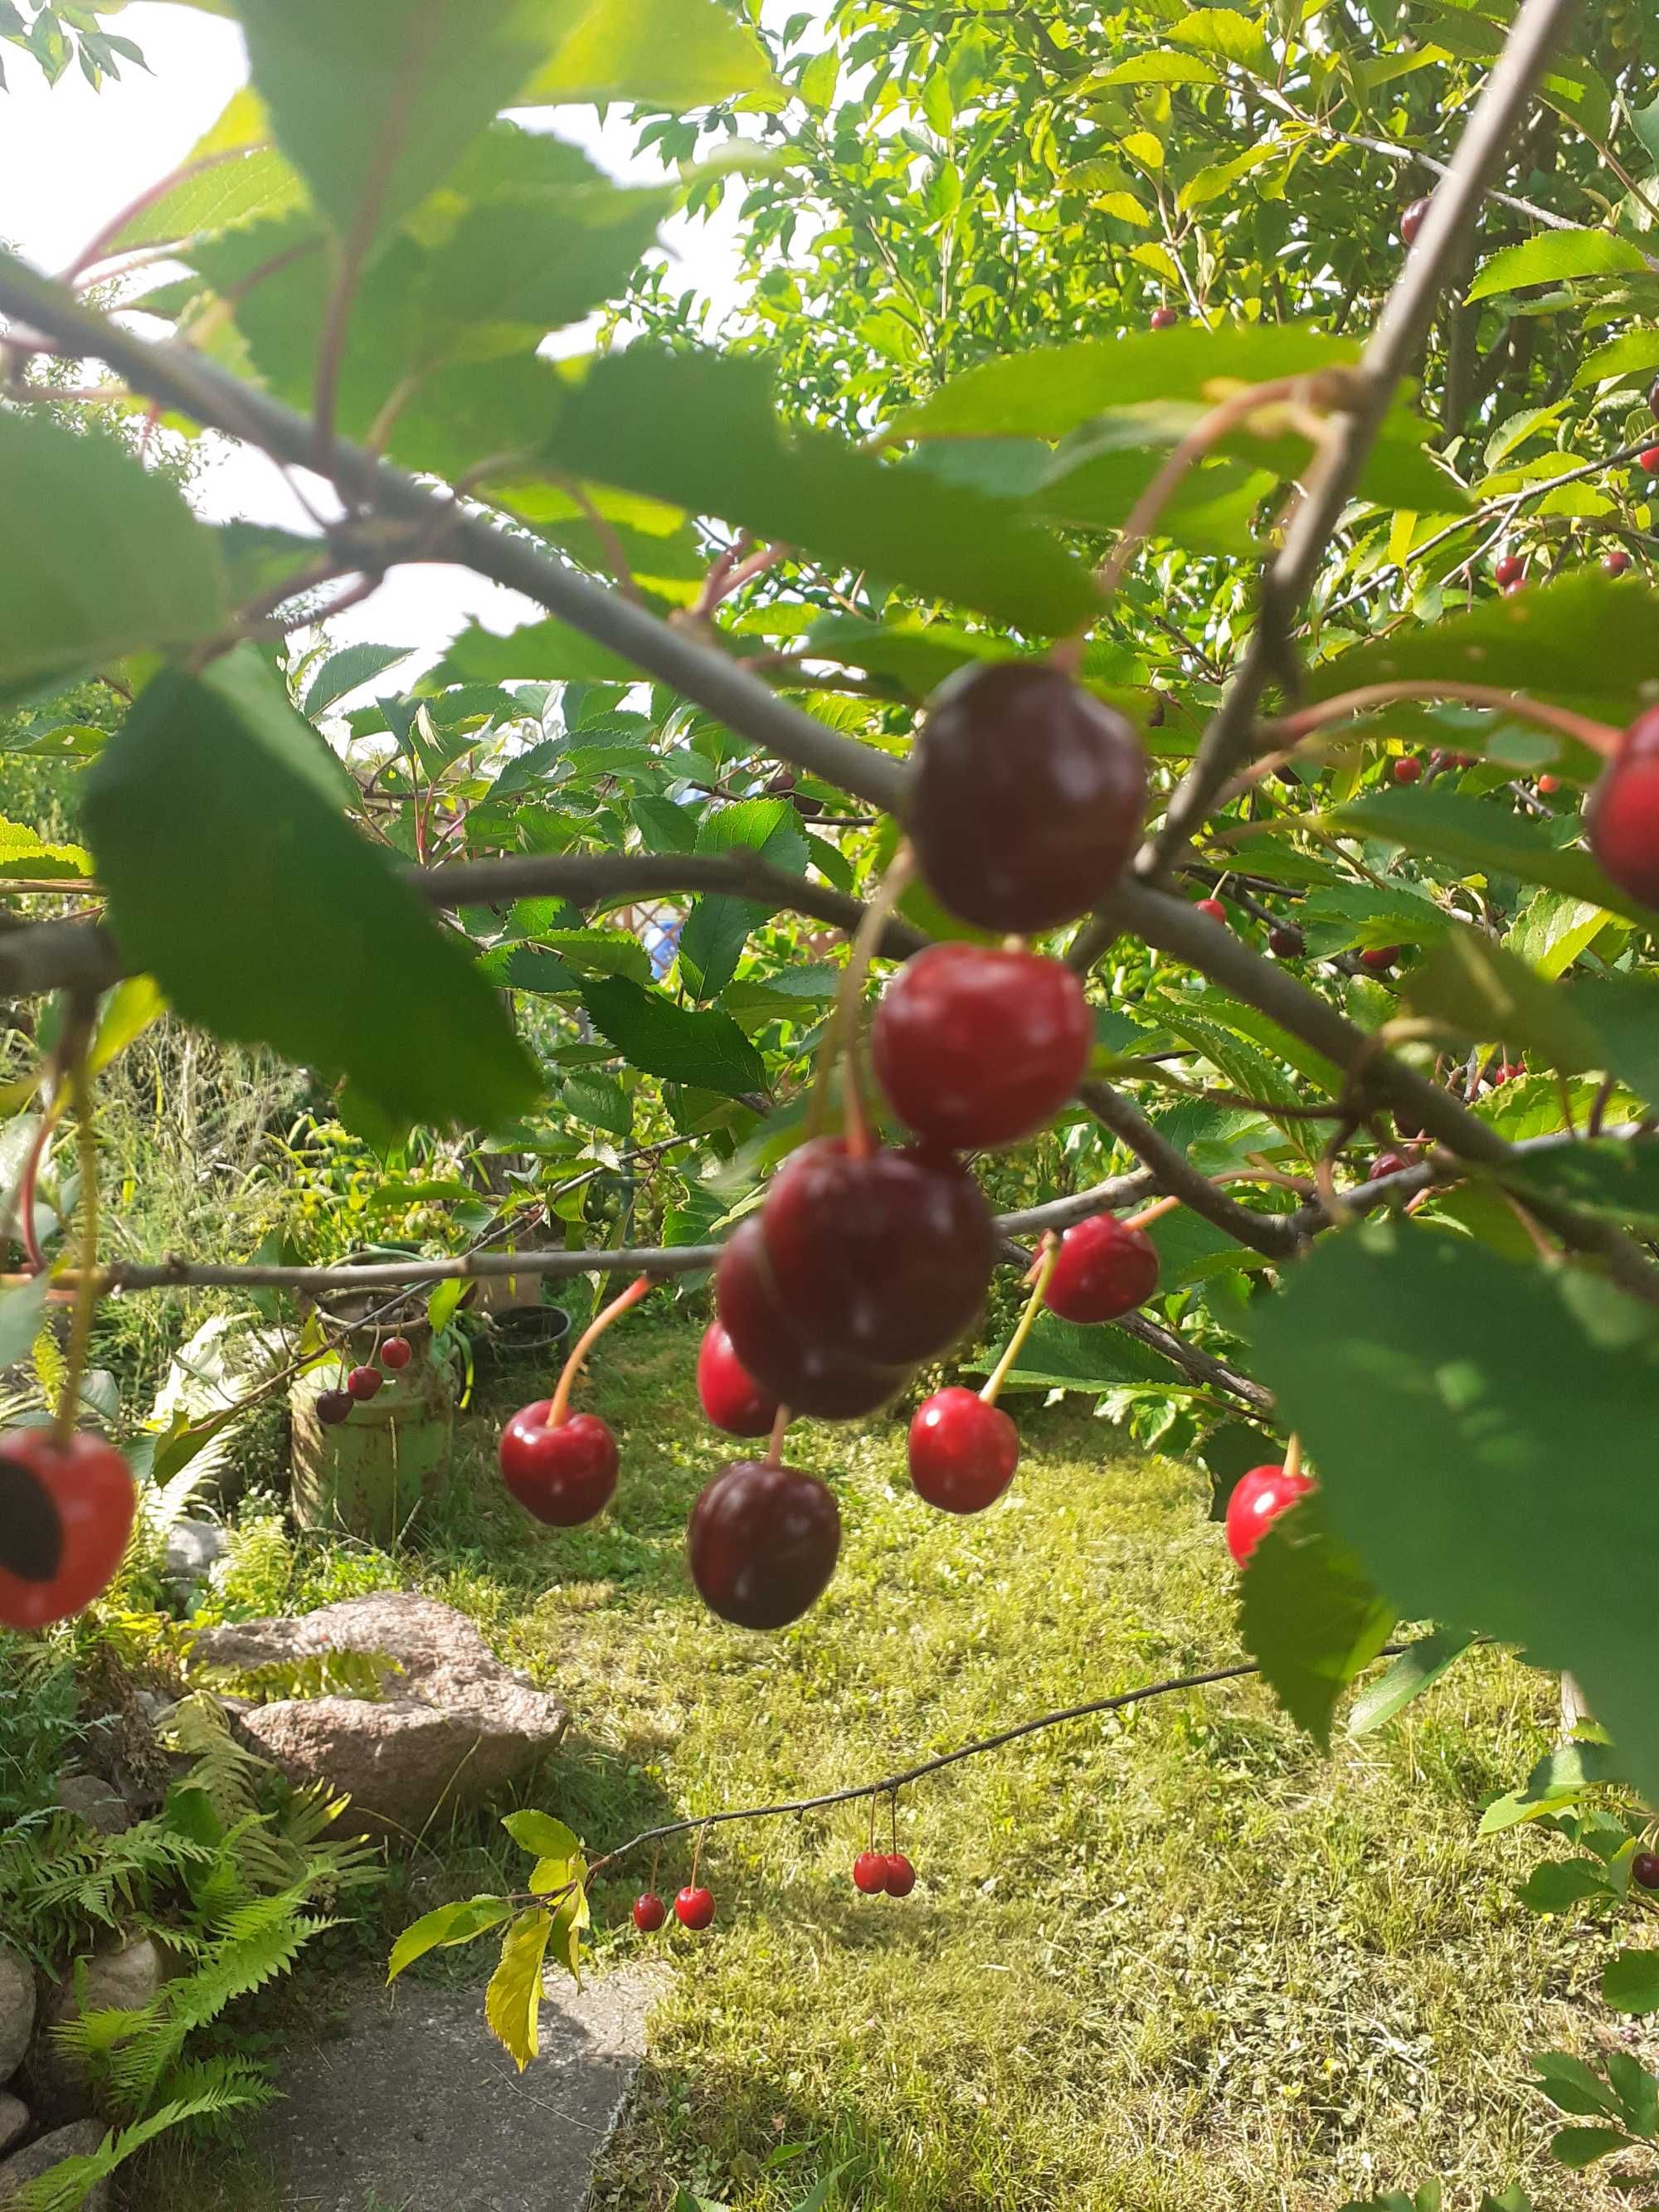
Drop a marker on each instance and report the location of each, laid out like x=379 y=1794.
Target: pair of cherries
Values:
x=694 y=1908
x=877 y=1874
x=364 y=1382
x=66 y=1511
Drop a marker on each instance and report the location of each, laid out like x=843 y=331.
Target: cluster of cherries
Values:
x=875 y=1874
x=364 y=1382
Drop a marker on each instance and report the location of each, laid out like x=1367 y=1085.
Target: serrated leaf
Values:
x=1571 y=2086
x=1309 y=1617
x=1449 y=825
x=347 y=670
x=236 y=881
x=541 y=1833
x=1577 y=2147
x=1416 y=1670
x=655 y=53
x=717 y=929
x=1554 y=257
x=457 y=1922
x=513 y=2002
x=707 y=1050
x=1557 y=1885
x=1480 y=1485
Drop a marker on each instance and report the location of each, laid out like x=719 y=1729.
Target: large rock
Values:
x=18 y=2009
x=452 y=1724
x=110 y=1981
x=95 y=1801
x=47 y=2151
x=14 y=2119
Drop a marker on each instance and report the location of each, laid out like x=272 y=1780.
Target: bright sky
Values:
x=70 y=158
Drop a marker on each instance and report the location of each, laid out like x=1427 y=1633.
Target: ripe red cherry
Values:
x=563 y=1475
x=649 y=1912
x=1104 y=1270
x=1380 y=958
x=364 y=1382
x=1623 y=813
x=1413 y=221
x=1408 y=1127
x=695 y=1908
x=1644 y=1870
x=1648 y=459
x=962 y=1452
x=885 y=1259
x=65 y=1514
x=900 y=1874
x=1615 y=560
x=729 y=1395
x=870 y=1872
x=1164 y=318
x=1549 y=785
x=1256 y=1503
x=1285 y=941
x=1387 y=1163
x=807 y=1377
x=396 y=1353
x=1028 y=796
x=333 y=1406
x=979 y=1048
x=1214 y=907
x=1519 y=584
x=762 y=1543
x=1407 y=768
x=1509 y=570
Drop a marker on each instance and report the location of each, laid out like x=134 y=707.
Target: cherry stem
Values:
x=559 y=1410
x=892 y=1807
x=840 y=1037
x=697 y=1857
x=1048 y=1260
x=1148 y=1214
x=77 y=1087
x=781 y=1421
x=1601 y=737
x=1293 y=1456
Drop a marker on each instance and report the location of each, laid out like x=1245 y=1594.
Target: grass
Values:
x=1168 y=1960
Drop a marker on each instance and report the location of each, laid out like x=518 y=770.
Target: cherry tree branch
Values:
x=1388 y=357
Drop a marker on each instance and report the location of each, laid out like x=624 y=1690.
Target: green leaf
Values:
x=1557 y=1885
x=1558 y=1782
x=1630 y=1981
x=440 y=1306
x=1227 y=34
x=21 y=1312
x=111 y=560
x=1063 y=1355
x=655 y=53
x=707 y=1050
x=513 y=2002
x=235 y=880
x=699 y=430
x=1624 y=1012
x=1577 y=2147
x=347 y=670
x=1416 y=1670
x=458 y=1923
x=1487 y=995
x=1634 y=353
x=1452 y=825
x=1309 y=1617
x=599 y=952
x=1550 y=931
x=1638 y=2092
x=1619 y=1181
x=549 y=649
x=1155 y=68
x=130 y=1008
x=542 y=1835
x=599 y=1102
x=24 y=853
x=717 y=929
x=1482 y=1485
x=1554 y=257
x=1571 y=2086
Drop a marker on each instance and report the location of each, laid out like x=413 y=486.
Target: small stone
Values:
x=110 y=1981
x=91 y=1799
x=193 y=1549
x=14 y=2119
x=79 y=2140
x=18 y=2009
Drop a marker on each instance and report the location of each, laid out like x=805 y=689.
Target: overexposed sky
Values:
x=70 y=158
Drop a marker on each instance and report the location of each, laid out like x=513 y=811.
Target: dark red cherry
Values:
x=978 y=1048
x=1615 y=560
x=1387 y=1163
x=885 y=1258
x=334 y=1407
x=870 y=1872
x=762 y=1543
x=649 y=1912
x=1408 y=1125
x=1258 y=1499
x=66 y=1511
x=1407 y=768
x=694 y=1908
x=1648 y=459
x=1379 y=958
x=1413 y=221
x=1163 y=319
x=563 y=1475
x=396 y=1353
x=900 y=1874
x=1028 y=796
x=808 y=1378
x=364 y=1382
x=962 y=1452
x=1623 y=812
x=1214 y=907
x=729 y=1394
x=1644 y=1870
x=1104 y=1270
x=1285 y=941
x=1510 y=569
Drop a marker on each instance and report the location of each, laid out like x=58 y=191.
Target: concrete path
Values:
x=411 y=2104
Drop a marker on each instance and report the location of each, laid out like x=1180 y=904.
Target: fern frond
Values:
x=69 y=2183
